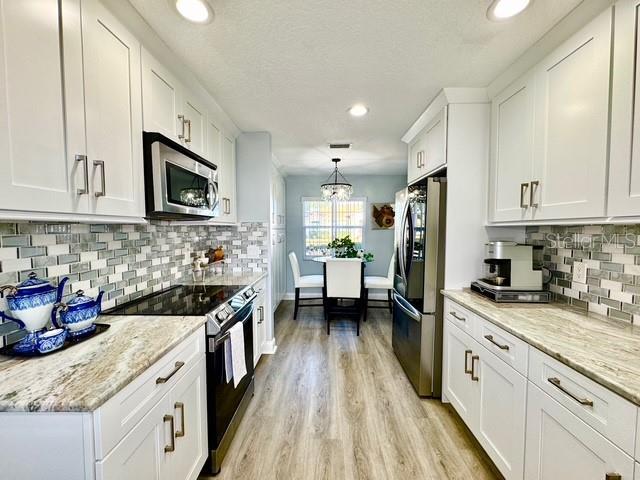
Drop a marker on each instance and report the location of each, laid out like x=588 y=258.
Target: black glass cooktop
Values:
x=179 y=300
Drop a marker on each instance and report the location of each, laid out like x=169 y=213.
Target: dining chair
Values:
x=380 y=283
x=303 y=281
x=343 y=280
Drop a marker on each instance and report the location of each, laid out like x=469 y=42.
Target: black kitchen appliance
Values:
x=224 y=307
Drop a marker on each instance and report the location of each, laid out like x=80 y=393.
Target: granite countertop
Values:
x=603 y=349
x=83 y=377
x=224 y=279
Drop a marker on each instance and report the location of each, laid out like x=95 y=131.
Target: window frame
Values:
x=334 y=226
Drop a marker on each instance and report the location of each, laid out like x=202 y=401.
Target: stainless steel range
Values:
x=224 y=307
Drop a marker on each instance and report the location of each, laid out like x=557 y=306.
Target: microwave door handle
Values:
x=212 y=195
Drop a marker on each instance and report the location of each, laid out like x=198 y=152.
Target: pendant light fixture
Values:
x=336 y=188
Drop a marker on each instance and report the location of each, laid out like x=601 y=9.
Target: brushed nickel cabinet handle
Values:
x=523 y=189
x=182 y=120
x=103 y=183
x=422 y=164
x=455 y=315
x=474 y=377
x=180 y=406
x=466 y=361
x=172 y=446
x=582 y=401
x=501 y=347
x=534 y=185
x=83 y=160
x=613 y=476
x=418 y=159
x=188 y=122
x=177 y=366
x=261 y=311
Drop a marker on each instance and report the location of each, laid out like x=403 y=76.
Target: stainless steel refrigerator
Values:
x=419 y=277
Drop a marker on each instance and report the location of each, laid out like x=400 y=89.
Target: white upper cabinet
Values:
x=38 y=141
x=624 y=167
x=113 y=100
x=195 y=120
x=549 y=133
x=512 y=151
x=428 y=151
x=161 y=100
x=229 y=212
x=572 y=109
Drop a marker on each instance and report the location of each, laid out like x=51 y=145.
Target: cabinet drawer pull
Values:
x=501 y=347
x=455 y=315
x=474 y=377
x=582 y=401
x=181 y=118
x=466 y=361
x=177 y=367
x=534 y=185
x=172 y=446
x=180 y=406
x=103 y=187
x=83 y=160
x=613 y=476
x=523 y=189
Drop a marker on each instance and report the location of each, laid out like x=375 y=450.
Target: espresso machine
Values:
x=510 y=274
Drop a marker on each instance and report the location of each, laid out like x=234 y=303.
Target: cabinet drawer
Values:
x=120 y=414
x=460 y=316
x=603 y=410
x=505 y=346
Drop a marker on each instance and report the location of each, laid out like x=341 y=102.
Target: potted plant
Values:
x=345 y=247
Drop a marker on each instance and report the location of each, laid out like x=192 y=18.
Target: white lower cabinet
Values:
x=560 y=445
x=501 y=395
x=259 y=325
x=489 y=396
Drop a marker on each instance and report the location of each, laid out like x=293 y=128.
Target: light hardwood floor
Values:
x=340 y=407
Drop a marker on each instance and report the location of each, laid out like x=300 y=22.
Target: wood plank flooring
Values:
x=340 y=407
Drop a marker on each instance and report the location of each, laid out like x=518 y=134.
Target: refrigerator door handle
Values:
x=407 y=308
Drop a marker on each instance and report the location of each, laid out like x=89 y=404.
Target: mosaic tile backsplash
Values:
x=126 y=261
x=611 y=254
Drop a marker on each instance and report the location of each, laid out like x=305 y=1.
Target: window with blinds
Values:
x=323 y=221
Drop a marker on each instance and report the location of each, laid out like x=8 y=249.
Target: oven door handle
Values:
x=225 y=336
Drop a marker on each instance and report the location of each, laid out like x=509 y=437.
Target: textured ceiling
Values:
x=293 y=67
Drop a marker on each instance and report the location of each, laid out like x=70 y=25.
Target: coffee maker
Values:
x=510 y=274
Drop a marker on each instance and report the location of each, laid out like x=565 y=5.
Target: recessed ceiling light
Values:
x=358 y=110
x=504 y=9
x=196 y=11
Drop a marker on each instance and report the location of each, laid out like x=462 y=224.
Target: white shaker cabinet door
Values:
x=114 y=113
x=146 y=450
x=560 y=445
x=435 y=142
x=229 y=160
x=501 y=412
x=458 y=386
x=511 y=167
x=624 y=159
x=572 y=108
x=41 y=117
x=195 y=118
x=189 y=410
x=161 y=100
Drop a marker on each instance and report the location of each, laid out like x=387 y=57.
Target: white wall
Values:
x=375 y=188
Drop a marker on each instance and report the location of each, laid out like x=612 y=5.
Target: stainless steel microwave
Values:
x=179 y=184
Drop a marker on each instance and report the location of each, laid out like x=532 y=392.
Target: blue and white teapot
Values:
x=78 y=314
x=31 y=302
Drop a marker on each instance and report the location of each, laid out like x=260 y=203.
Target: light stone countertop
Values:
x=605 y=350
x=83 y=377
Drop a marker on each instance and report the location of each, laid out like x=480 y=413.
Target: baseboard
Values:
x=317 y=293
x=269 y=347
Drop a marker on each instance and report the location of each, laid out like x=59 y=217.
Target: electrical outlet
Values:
x=580 y=272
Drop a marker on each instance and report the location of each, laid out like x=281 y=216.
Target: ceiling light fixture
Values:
x=334 y=188
x=196 y=11
x=358 y=110
x=500 y=10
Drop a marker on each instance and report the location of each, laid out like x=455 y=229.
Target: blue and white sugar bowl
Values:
x=78 y=314
x=31 y=302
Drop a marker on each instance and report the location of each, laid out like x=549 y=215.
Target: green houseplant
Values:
x=345 y=247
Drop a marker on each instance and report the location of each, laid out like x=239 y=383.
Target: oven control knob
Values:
x=222 y=315
x=248 y=293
